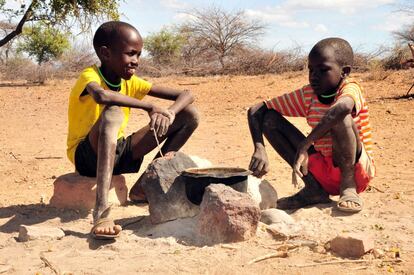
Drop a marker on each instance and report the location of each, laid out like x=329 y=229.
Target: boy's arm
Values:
x=160 y=117
x=107 y=97
x=259 y=163
x=181 y=98
x=337 y=112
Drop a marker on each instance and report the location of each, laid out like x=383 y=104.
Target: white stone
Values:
x=29 y=233
x=262 y=192
x=200 y=162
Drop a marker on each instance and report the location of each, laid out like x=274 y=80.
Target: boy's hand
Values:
x=300 y=166
x=161 y=119
x=259 y=163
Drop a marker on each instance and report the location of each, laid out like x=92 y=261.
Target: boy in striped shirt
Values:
x=336 y=157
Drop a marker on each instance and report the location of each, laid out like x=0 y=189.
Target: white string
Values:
x=158 y=143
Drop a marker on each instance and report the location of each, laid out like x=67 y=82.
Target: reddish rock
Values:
x=351 y=245
x=73 y=191
x=226 y=215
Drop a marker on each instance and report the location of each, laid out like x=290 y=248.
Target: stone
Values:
x=351 y=245
x=200 y=162
x=29 y=233
x=73 y=191
x=273 y=215
x=226 y=215
x=262 y=192
x=281 y=224
x=165 y=188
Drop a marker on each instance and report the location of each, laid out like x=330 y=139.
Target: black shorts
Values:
x=86 y=159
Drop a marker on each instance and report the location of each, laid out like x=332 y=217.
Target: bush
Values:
x=164 y=46
x=396 y=57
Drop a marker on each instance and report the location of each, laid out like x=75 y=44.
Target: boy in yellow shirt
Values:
x=99 y=108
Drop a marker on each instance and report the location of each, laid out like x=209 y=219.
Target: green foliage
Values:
x=43 y=43
x=164 y=46
x=59 y=13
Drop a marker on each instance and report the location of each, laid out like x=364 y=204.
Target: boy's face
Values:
x=324 y=71
x=122 y=57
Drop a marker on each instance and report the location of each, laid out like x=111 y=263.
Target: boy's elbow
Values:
x=255 y=109
x=101 y=97
x=189 y=96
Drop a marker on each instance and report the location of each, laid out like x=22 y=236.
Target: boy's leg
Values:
x=346 y=145
x=285 y=138
x=103 y=139
x=143 y=141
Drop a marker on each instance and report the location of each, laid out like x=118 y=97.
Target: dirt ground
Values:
x=33 y=127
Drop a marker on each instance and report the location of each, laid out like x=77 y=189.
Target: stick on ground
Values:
x=280 y=254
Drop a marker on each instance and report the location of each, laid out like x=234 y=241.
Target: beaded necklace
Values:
x=107 y=82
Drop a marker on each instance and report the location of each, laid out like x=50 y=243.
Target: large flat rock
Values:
x=73 y=191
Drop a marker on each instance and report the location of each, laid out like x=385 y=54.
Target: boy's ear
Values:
x=104 y=52
x=346 y=70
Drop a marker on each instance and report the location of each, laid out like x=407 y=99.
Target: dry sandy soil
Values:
x=33 y=126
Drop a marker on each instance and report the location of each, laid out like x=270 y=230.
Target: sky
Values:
x=366 y=24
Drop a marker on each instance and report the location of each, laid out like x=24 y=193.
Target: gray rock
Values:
x=262 y=192
x=29 y=233
x=226 y=216
x=281 y=225
x=274 y=215
x=351 y=245
x=165 y=188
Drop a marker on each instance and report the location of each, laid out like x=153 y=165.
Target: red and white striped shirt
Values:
x=304 y=103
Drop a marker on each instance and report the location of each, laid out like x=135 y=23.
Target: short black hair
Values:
x=344 y=54
x=108 y=33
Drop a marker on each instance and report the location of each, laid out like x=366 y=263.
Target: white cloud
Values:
x=183 y=16
x=277 y=15
x=173 y=4
x=321 y=28
x=394 y=22
x=343 y=6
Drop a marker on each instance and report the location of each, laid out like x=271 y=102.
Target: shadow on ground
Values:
x=33 y=214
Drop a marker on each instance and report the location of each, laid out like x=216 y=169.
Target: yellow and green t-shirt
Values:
x=84 y=111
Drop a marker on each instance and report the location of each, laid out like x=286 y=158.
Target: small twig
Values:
x=49 y=264
x=227 y=246
x=158 y=143
x=280 y=254
x=16 y=158
x=48 y=157
x=376 y=188
x=409 y=89
x=184 y=84
x=347 y=262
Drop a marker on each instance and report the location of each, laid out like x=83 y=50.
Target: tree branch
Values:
x=19 y=26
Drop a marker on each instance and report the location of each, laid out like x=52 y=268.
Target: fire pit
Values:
x=197 y=179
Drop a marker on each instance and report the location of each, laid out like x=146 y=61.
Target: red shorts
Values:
x=329 y=176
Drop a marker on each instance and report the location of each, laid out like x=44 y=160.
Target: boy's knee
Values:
x=190 y=116
x=343 y=125
x=112 y=116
